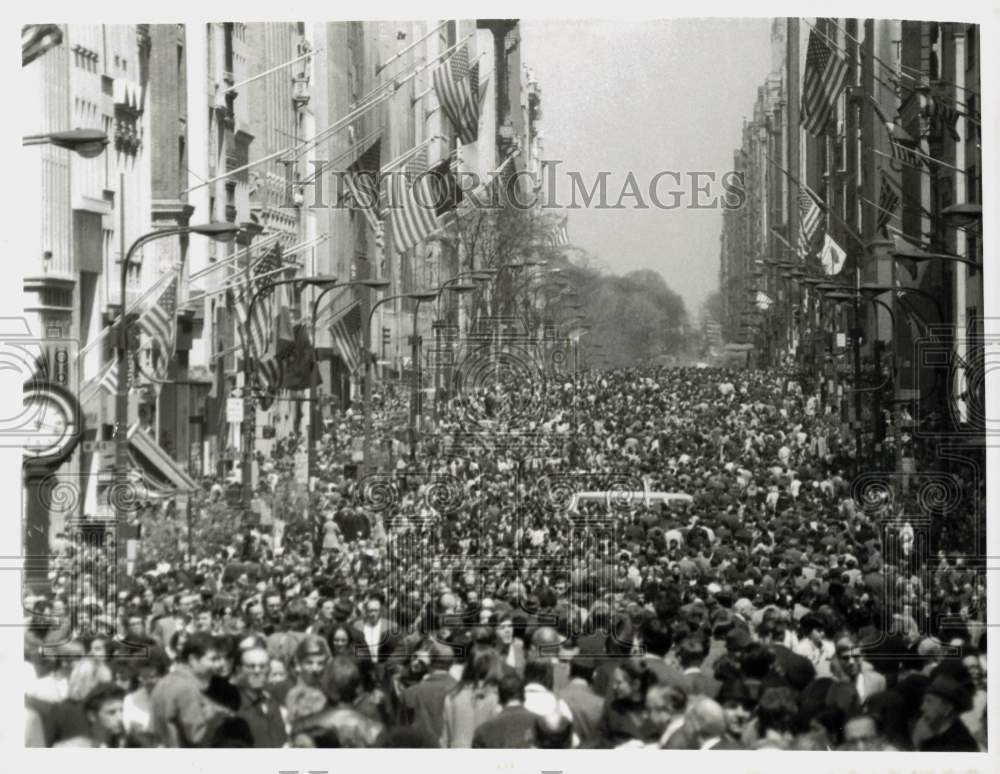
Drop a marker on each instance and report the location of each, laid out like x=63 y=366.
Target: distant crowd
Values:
x=457 y=601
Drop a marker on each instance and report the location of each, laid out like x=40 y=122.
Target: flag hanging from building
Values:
x=109 y=377
x=299 y=367
x=822 y=82
x=159 y=321
x=763 y=301
x=257 y=333
x=363 y=181
x=346 y=333
x=904 y=148
x=412 y=204
x=832 y=256
x=888 y=201
x=560 y=235
x=809 y=220
x=90 y=388
x=457 y=89
x=36 y=39
x=940 y=114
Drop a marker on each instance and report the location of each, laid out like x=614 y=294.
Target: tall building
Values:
x=895 y=169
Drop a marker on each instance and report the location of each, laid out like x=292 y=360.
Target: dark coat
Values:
x=513 y=728
x=262 y=714
x=955 y=738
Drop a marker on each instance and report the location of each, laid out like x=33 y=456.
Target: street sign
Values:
x=234 y=410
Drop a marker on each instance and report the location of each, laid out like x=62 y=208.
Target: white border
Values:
x=465 y=761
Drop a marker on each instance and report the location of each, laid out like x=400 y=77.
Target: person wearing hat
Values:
x=939 y=728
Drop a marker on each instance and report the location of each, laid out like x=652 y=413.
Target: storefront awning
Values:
x=165 y=474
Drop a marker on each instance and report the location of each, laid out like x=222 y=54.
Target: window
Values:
x=970 y=46
x=973 y=185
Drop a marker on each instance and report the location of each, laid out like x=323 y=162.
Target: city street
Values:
x=433 y=385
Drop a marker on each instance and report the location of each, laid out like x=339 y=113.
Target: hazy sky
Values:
x=647 y=96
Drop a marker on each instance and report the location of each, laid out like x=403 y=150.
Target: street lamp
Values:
x=248 y=375
x=328 y=284
x=221 y=232
x=88 y=143
x=963 y=214
x=418 y=298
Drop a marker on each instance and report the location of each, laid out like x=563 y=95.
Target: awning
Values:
x=165 y=476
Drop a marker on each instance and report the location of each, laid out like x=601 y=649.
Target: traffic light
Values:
x=385 y=337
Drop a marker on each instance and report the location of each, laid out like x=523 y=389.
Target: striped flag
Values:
x=560 y=236
x=261 y=326
x=159 y=321
x=825 y=74
x=888 y=201
x=763 y=300
x=36 y=39
x=362 y=181
x=809 y=220
x=457 y=89
x=905 y=148
x=109 y=377
x=346 y=333
x=940 y=114
x=91 y=387
x=412 y=204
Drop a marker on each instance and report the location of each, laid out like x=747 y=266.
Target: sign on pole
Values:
x=234 y=410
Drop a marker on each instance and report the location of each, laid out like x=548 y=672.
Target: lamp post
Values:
x=418 y=297
x=371 y=284
x=455 y=285
x=249 y=418
x=87 y=143
x=222 y=232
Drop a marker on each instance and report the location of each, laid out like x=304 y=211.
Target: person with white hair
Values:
x=706 y=723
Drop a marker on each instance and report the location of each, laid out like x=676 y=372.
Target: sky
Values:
x=647 y=96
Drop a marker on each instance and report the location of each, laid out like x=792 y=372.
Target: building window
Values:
x=970 y=46
x=973 y=185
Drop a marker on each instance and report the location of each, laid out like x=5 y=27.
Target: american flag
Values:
x=825 y=74
x=809 y=220
x=261 y=324
x=36 y=39
x=159 y=321
x=560 y=236
x=101 y=380
x=888 y=201
x=362 y=181
x=940 y=114
x=905 y=149
x=457 y=89
x=346 y=333
x=412 y=204
x=109 y=377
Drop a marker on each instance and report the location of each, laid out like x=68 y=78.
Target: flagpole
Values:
x=237 y=86
x=409 y=48
x=822 y=205
x=922 y=155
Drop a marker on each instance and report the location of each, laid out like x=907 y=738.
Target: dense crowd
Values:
x=454 y=599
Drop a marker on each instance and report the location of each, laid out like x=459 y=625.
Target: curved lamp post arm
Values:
x=892 y=318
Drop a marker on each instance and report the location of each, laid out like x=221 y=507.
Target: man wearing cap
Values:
x=940 y=728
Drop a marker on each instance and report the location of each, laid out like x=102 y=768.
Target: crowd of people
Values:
x=453 y=598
